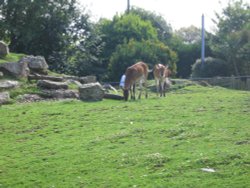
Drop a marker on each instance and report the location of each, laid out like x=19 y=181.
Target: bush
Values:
x=150 y=52
x=212 y=67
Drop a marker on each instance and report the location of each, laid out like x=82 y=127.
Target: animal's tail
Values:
x=150 y=70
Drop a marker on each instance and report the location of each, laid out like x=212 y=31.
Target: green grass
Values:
x=158 y=142
x=11 y=57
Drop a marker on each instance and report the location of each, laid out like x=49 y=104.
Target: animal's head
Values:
x=125 y=94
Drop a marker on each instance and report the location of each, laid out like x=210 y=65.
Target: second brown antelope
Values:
x=137 y=73
x=161 y=76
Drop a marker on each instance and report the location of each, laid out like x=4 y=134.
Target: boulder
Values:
x=82 y=80
x=113 y=96
x=91 y=92
x=109 y=87
x=1 y=74
x=45 y=77
x=29 y=98
x=36 y=64
x=87 y=79
x=8 y=84
x=60 y=94
x=46 y=84
x=17 y=69
x=74 y=82
x=4 y=49
x=4 y=97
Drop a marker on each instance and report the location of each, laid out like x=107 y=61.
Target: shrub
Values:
x=212 y=67
x=148 y=51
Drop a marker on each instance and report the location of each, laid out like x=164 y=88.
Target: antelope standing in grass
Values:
x=161 y=75
x=137 y=73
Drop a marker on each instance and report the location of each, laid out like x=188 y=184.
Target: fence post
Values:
x=232 y=83
x=248 y=84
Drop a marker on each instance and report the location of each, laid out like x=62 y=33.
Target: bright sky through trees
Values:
x=179 y=13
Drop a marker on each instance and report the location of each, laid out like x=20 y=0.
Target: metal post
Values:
x=202 y=42
x=128 y=6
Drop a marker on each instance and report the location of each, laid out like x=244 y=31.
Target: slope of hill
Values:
x=195 y=137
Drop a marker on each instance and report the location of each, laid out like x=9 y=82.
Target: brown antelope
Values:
x=137 y=73
x=161 y=75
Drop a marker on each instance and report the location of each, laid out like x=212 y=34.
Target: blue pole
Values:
x=128 y=6
x=202 y=41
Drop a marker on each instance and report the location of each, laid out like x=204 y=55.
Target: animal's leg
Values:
x=140 y=86
x=146 y=88
x=162 y=88
x=133 y=92
x=157 y=86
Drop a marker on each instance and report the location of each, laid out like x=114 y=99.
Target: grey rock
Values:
x=91 y=92
x=36 y=64
x=8 y=84
x=29 y=98
x=17 y=69
x=46 y=84
x=4 y=49
x=87 y=79
x=4 y=97
x=36 y=76
x=60 y=94
x=82 y=80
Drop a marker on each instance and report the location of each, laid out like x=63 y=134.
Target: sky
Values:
x=177 y=13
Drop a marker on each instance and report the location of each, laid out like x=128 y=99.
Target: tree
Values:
x=212 y=67
x=120 y=30
x=164 y=29
x=45 y=27
x=82 y=58
x=189 y=35
x=231 y=42
x=148 y=51
x=187 y=43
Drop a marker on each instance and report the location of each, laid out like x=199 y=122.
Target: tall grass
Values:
x=155 y=142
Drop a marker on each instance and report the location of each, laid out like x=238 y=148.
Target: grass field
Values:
x=158 y=142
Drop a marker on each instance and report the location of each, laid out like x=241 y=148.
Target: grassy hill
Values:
x=11 y=57
x=158 y=142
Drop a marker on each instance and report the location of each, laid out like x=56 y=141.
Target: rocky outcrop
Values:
x=91 y=92
x=18 y=70
x=4 y=49
x=46 y=84
x=29 y=98
x=45 y=77
x=87 y=79
x=60 y=94
x=36 y=64
x=4 y=97
x=82 y=80
x=8 y=84
x=25 y=66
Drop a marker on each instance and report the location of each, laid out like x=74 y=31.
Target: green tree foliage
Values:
x=231 y=42
x=187 y=43
x=212 y=67
x=82 y=58
x=189 y=35
x=164 y=29
x=121 y=29
x=48 y=28
x=148 y=51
